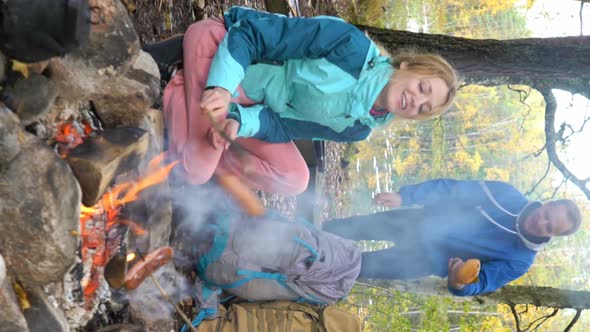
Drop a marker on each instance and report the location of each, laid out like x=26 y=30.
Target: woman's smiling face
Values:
x=411 y=95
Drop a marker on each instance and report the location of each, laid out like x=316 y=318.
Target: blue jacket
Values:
x=315 y=78
x=475 y=219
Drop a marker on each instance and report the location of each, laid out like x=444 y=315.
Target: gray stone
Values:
x=12 y=135
x=30 y=98
x=11 y=316
x=112 y=48
x=121 y=80
x=42 y=316
x=40 y=209
x=125 y=99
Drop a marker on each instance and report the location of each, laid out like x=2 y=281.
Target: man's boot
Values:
x=167 y=54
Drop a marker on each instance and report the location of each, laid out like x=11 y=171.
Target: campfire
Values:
x=69 y=165
x=77 y=170
x=100 y=240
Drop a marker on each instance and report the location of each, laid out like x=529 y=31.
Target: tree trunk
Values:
x=543 y=297
x=561 y=61
x=538 y=296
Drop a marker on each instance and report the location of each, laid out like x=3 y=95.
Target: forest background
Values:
x=495 y=133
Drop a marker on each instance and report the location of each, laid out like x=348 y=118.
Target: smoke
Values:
x=149 y=300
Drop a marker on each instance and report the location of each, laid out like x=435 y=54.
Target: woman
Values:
x=267 y=79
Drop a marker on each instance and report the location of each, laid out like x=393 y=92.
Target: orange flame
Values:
x=126 y=192
x=104 y=215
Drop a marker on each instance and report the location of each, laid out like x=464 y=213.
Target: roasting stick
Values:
x=249 y=202
x=241 y=193
x=221 y=132
x=163 y=292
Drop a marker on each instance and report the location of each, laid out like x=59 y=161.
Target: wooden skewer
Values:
x=221 y=132
x=249 y=202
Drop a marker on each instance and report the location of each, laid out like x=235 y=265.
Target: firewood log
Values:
x=98 y=160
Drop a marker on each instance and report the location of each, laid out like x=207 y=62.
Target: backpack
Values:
x=271 y=258
x=265 y=258
x=281 y=316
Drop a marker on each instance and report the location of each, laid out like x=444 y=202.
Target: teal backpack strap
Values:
x=203 y=314
x=308 y=247
x=219 y=243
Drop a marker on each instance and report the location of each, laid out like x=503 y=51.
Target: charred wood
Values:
x=98 y=160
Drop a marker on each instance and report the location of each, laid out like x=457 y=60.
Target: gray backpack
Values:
x=271 y=258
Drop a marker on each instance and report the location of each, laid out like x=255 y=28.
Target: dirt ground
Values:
x=158 y=19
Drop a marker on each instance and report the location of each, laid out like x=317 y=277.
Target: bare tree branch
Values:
x=387 y=291
x=572 y=131
x=550 y=138
x=574 y=320
x=530 y=191
x=516 y=316
x=556 y=189
x=522 y=96
x=541 y=320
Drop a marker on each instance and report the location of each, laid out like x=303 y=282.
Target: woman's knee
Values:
x=203 y=35
x=295 y=179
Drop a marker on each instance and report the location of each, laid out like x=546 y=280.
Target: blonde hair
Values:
x=431 y=65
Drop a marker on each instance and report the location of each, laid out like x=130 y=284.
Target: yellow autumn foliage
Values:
x=468 y=162
x=498 y=174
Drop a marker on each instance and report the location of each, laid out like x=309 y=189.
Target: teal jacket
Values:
x=314 y=78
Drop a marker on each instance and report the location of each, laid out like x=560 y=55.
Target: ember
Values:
x=97 y=221
x=131 y=257
x=72 y=133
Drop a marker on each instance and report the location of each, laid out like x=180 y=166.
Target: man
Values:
x=458 y=220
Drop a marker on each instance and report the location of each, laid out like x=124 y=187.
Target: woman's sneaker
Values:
x=167 y=54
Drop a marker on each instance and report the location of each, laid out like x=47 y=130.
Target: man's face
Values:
x=547 y=220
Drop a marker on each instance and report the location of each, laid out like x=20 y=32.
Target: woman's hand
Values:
x=230 y=128
x=388 y=199
x=215 y=102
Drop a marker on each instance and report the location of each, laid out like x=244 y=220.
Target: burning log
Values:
x=100 y=158
x=116 y=247
x=154 y=124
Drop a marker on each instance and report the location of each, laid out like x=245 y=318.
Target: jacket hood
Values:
x=520 y=217
x=377 y=71
x=524 y=213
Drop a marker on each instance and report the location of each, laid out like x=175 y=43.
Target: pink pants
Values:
x=273 y=167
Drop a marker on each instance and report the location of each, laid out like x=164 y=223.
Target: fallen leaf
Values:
x=21 y=295
x=21 y=68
